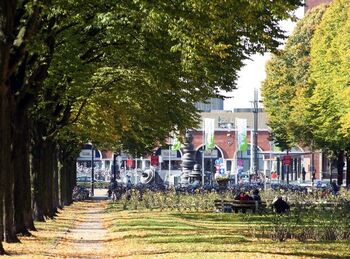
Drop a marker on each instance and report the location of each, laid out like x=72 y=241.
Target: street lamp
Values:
x=92 y=170
x=203 y=150
x=229 y=142
x=169 y=160
x=254 y=136
x=114 y=167
x=270 y=163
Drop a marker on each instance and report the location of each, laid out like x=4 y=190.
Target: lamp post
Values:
x=92 y=170
x=114 y=167
x=229 y=142
x=169 y=160
x=270 y=162
x=255 y=134
x=203 y=149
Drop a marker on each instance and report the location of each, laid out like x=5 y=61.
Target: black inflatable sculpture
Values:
x=147 y=176
x=195 y=175
x=191 y=172
x=151 y=177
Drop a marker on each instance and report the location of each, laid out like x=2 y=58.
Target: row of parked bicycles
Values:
x=116 y=190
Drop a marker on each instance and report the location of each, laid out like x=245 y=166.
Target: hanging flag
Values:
x=242 y=143
x=209 y=133
x=176 y=145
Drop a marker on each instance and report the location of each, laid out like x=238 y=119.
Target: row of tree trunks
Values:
x=16 y=206
x=45 y=172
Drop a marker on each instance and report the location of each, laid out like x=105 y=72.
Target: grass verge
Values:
x=167 y=234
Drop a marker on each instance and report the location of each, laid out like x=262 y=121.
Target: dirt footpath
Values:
x=86 y=239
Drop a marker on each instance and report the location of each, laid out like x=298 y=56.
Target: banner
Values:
x=154 y=160
x=241 y=125
x=176 y=145
x=209 y=133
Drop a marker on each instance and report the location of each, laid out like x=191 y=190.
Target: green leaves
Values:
x=130 y=72
x=330 y=72
x=287 y=88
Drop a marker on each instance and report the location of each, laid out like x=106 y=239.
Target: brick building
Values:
x=269 y=158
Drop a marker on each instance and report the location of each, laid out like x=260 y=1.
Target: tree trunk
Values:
x=330 y=162
x=10 y=228
x=5 y=151
x=38 y=179
x=55 y=194
x=63 y=182
x=347 y=170
x=22 y=195
x=340 y=167
x=6 y=165
x=49 y=160
x=68 y=178
x=73 y=176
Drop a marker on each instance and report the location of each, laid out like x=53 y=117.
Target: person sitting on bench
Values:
x=242 y=196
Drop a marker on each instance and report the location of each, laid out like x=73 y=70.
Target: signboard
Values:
x=219 y=165
x=240 y=162
x=274 y=175
x=211 y=153
x=287 y=160
x=85 y=153
x=154 y=160
x=165 y=153
x=130 y=162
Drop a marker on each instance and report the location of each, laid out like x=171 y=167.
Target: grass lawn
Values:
x=166 y=234
x=204 y=235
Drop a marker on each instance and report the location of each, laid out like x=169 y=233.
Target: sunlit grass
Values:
x=166 y=234
x=205 y=235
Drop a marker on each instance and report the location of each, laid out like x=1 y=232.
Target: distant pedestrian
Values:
x=335 y=188
x=313 y=175
x=303 y=174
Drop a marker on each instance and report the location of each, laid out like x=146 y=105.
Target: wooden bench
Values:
x=237 y=205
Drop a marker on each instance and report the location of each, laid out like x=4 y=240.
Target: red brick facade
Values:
x=226 y=141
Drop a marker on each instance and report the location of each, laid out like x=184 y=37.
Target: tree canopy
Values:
x=330 y=72
x=287 y=86
x=156 y=59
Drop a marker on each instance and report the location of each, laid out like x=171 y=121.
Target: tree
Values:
x=191 y=48
x=330 y=72
x=287 y=87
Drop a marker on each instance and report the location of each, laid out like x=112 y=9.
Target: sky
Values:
x=253 y=73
